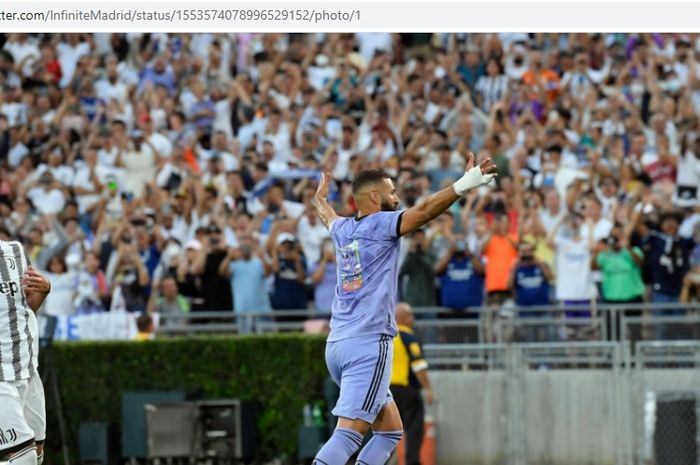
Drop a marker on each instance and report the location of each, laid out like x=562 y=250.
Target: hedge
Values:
x=280 y=372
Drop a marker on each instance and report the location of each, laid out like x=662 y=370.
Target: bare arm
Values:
x=324 y=211
x=424 y=381
x=436 y=204
x=441 y=265
x=224 y=266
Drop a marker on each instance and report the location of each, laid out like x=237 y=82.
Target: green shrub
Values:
x=280 y=372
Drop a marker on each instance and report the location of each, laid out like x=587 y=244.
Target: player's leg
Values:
x=387 y=427
x=16 y=437
x=360 y=366
x=386 y=434
x=35 y=414
x=345 y=439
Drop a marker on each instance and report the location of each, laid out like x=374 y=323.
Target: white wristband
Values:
x=471 y=180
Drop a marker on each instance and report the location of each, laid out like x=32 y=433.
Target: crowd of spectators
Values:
x=175 y=172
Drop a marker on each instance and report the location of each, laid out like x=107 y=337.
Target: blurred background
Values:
x=163 y=182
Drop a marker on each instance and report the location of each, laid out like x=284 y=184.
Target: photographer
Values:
x=461 y=276
x=622 y=283
x=216 y=289
x=290 y=276
x=417 y=277
x=128 y=277
x=500 y=250
x=667 y=261
x=529 y=282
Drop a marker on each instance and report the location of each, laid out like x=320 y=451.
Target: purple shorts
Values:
x=585 y=311
x=361 y=366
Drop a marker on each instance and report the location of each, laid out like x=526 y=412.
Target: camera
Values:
x=612 y=241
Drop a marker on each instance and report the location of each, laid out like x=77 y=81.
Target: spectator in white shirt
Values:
x=311 y=234
x=46 y=195
x=24 y=52
x=157 y=140
x=69 y=52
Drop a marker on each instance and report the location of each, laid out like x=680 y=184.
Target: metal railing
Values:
x=486 y=325
x=578 y=402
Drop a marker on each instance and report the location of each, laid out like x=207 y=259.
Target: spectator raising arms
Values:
x=140 y=157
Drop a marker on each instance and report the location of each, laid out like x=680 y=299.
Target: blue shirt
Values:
x=531 y=286
x=367 y=257
x=289 y=293
x=460 y=285
x=248 y=286
x=165 y=79
x=667 y=261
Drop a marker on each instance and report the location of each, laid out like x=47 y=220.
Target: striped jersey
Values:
x=18 y=326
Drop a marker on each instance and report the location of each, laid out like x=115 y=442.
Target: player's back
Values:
x=16 y=340
x=367 y=253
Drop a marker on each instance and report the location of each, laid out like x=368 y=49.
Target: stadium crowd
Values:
x=175 y=172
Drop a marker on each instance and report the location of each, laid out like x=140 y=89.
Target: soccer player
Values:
x=359 y=348
x=22 y=414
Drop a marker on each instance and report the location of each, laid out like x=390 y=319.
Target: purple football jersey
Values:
x=367 y=253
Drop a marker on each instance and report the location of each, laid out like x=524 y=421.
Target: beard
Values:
x=387 y=206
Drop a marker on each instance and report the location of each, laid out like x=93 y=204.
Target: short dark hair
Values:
x=144 y=322
x=368 y=178
x=670 y=215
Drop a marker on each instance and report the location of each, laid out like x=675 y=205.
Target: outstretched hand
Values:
x=486 y=165
x=325 y=213
x=475 y=176
x=323 y=186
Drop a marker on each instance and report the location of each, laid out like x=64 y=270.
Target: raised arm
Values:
x=436 y=204
x=324 y=211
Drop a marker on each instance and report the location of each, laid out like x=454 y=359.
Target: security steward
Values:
x=409 y=376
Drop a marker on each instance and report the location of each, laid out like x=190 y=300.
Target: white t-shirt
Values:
x=370 y=42
x=16 y=113
x=60 y=301
x=82 y=179
x=47 y=203
x=108 y=91
x=62 y=173
x=573 y=262
x=229 y=161
x=16 y=154
x=688 y=170
x=222 y=120
x=69 y=56
x=548 y=220
x=107 y=158
x=601 y=229
x=311 y=238
x=20 y=52
x=320 y=75
x=161 y=143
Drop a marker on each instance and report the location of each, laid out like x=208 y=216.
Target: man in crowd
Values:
x=410 y=384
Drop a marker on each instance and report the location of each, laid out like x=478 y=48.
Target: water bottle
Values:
x=308 y=415
x=318 y=414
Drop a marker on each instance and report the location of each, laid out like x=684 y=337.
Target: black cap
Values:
x=213 y=229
